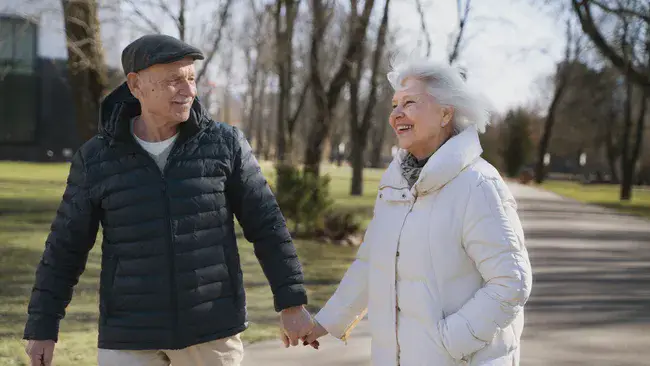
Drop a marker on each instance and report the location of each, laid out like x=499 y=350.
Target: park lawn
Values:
x=29 y=196
x=606 y=195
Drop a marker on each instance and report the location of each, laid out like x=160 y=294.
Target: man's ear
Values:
x=447 y=115
x=134 y=83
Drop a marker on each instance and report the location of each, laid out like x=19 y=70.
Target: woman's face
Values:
x=420 y=123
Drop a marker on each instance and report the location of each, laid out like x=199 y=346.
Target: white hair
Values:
x=446 y=85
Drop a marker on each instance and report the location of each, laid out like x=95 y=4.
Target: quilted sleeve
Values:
x=493 y=239
x=72 y=236
x=258 y=212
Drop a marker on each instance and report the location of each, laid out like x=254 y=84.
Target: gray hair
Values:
x=447 y=86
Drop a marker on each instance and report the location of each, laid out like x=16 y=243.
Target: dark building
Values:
x=37 y=120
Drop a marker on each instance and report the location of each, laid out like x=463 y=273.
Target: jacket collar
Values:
x=445 y=164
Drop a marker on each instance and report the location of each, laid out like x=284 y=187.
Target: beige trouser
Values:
x=222 y=352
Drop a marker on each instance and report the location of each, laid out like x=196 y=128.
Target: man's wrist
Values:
x=293 y=309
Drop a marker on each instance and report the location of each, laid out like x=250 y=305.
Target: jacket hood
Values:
x=120 y=106
x=444 y=165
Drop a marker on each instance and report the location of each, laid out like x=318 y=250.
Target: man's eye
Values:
x=408 y=102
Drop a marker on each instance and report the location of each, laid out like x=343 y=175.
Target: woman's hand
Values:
x=312 y=338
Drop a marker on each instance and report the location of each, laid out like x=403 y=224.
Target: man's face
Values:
x=166 y=90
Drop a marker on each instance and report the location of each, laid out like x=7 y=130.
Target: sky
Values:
x=510 y=46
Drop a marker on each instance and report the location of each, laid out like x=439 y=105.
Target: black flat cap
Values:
x=155 y=49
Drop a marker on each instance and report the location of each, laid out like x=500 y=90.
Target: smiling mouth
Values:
x=404 y=128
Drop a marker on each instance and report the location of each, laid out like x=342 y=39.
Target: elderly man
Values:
x=165 y=182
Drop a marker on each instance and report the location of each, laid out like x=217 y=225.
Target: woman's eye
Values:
x=408 y=102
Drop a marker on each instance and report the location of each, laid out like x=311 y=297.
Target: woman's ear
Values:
x=447 y=115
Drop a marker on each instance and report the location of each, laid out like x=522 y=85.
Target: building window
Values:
x=18 y=80
x=17 y=45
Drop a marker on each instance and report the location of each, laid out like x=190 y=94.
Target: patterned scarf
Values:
x=411 y=168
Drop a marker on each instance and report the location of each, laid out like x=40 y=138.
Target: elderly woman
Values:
x=443 y=272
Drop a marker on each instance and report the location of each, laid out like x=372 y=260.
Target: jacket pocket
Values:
x=109 y=283
x=233 y=267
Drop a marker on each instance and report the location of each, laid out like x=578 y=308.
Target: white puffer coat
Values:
x=443 y=271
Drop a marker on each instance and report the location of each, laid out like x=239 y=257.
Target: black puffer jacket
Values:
x=171 y=275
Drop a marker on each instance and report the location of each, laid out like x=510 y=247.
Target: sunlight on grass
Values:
x=29 y=196
x=606 y=195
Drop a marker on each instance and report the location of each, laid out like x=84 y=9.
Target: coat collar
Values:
x=444 y=165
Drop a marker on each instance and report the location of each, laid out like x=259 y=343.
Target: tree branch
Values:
x=356 y=43
x=154 y=27
x=301 y=102
x=376 y=60
x=223 y=18
x=461 y=29
x=423 y=25
x=583 y=12
x=165 y=8
x=620 y=11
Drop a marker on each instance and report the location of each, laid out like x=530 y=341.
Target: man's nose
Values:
x=187 y=88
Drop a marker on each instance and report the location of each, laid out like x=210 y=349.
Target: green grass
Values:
x=29 y=197
x=604 y=195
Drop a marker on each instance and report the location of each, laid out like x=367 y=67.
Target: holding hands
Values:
x=297 y=324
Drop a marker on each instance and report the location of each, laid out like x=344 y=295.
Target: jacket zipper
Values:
x=352 y=325
x=170 y=243
x=399 y=239
x=169 y=238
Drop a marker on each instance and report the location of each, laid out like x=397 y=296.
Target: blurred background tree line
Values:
x=305 y=80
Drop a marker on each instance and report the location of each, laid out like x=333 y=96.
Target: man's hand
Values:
x=296 y=324
x=40 y=352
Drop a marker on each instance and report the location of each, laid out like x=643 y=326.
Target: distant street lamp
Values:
x=583 y=159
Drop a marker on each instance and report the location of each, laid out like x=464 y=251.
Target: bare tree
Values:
x=359 y=131
x=463 y=16
x=254 y=64
x=561 y=82
x=631 y=11
x=423 y=25
x=630 y=148
x=326 y=98
x=86 y=68
x=285 y=17
x=218 y=30
x=627 y=47
x=177 y=17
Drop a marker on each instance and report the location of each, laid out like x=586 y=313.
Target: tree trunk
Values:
x=627 y=169
x=376 y=158
x=260 y=127
x=561 y=82
x=358 y=149
x=326 y=99
x=540 y=171
x=86 y=68
x=359 y=132
x=315 y=141
x=281 y=65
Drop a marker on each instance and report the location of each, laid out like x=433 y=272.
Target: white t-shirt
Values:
x=158 y=150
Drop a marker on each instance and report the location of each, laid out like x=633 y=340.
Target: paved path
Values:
x=591 y=292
